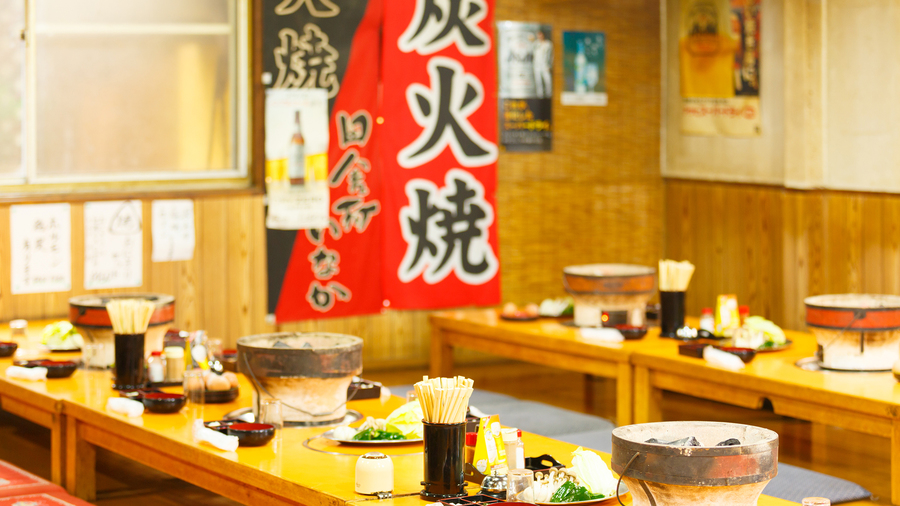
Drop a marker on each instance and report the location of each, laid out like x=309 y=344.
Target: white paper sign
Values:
x=113 y=245
x=41 y=248
x=298 y=207
x=173 y=230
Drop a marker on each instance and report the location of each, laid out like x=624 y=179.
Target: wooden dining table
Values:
x=297 y=468
x=544 y=341
x=867 y=402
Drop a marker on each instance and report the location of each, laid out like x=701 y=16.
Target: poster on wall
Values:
x=297 y=158
x=113 y=244
x=718 y=51
x=333 y=47
x=525 y=75
x=40 y=243
x=440 y=159
x=584 y=69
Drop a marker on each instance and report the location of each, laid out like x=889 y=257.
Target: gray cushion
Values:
x=545 y=420
x=598 y=439
x=481 y=399
x=794 y=483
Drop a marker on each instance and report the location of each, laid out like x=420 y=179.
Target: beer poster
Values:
x=718 y=50
x=525 y=73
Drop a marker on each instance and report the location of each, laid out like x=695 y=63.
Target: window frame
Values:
x=27 y=179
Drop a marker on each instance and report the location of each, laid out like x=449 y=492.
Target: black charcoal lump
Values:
x=688 y=441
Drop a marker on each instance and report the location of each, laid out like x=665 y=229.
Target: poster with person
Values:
x=525 y=72
x=718 y=52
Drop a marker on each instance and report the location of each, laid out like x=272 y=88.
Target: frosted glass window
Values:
x=12 y=21
x=128 y=88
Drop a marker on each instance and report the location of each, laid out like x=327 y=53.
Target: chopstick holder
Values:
x=125 y=406
x=722 y=359
x=27 y=373
x=217 y=439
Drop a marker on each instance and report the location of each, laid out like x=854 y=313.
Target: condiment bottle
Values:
x=471 y=443
x=743 y=312
x=156 y=367
x=515 y=448
x=707 y=320
x=174 y=364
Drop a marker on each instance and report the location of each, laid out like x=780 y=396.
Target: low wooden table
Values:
x=864 y=402
x=286 y=472
x=545 y=341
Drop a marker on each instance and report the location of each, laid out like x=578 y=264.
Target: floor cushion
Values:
x=15 y=481
x=44 y=499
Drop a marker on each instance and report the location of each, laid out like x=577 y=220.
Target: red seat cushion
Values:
x=14 y=481
x=44 y=499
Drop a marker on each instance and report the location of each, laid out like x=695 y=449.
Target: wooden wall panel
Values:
x=598 y=196
x=780 y=246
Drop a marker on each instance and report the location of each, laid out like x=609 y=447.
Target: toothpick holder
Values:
x=129 y=362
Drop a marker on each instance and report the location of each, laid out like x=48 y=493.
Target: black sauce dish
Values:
x=252 y=434
x=163 y=403
x=8 y=349
x=55 y=368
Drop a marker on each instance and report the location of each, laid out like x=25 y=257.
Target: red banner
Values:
x=331 y=272
x=439 y=154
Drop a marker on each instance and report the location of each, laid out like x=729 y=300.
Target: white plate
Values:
x=606 y=500
x=380 y=442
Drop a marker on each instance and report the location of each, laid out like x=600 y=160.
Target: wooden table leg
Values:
x=58 y=449
x=81 y=456
x=895 y=462
x=624 y=394
x=589 y=393
x=441 y=355
x=647 y=398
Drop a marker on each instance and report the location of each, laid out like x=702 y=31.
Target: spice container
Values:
x=707 y=320
x=515 y=448
x=156 y=367
x=174 y=363
x=471 y=442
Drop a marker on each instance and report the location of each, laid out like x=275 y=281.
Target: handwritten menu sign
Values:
x=173 y=230
x=41 y=248
x=113 y=244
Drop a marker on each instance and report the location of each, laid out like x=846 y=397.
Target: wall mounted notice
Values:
x=718 y=52
x=525 y=73
x=113 y=244
x=172 y=224
x=41 y=248
x=584 y=68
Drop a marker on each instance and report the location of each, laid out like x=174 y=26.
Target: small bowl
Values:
x=252 y=434
x=220 y=396
x=8 y=349
x=631 y=331
x=57 y=369
x=745 y=354
x=163 y=402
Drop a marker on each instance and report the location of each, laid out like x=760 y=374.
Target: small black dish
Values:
x=694 y=350
x=163 y=402
x=220 y=396
x=222 y=425
x=745 y=354
x=631 y=331
x=251 y=434
x=8 y=349
x=55 y=369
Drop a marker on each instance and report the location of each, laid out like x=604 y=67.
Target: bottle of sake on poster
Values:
x=297 y=154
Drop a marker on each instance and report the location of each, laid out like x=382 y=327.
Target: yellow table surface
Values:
x=285 y=468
